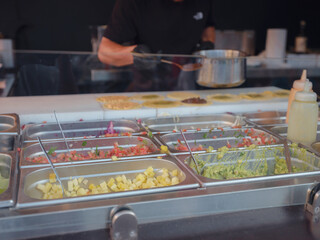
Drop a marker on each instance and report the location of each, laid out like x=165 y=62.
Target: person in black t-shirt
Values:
x=165 y=26
x=156 y=26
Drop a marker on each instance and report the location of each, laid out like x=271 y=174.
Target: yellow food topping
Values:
x=78 y=186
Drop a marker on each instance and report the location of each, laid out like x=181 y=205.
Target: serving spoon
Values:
x=185 y=67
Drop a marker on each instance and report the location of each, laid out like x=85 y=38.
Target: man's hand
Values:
x=142 y=60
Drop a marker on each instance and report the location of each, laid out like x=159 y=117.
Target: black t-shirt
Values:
x=163 y=25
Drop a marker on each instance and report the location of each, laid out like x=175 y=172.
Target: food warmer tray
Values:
x=77 y=130
x=31 y=150
x=308 y=162
x=216 y=138
x=204 y=122
x=9 y=124
x=8 y=169
x=29 y=196
x=9 y=132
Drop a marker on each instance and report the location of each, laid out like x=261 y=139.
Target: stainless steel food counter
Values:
x=224 y=138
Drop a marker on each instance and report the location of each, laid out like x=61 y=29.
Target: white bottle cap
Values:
x=306 y=95
x=299 y=84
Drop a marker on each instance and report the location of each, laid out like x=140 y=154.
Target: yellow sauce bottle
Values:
x=303 y=116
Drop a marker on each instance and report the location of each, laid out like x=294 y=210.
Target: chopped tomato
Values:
x=174 y=131
x=117 y=151
x=140 y=139
x=144 y=133
x=198 y=129
x=214 y=137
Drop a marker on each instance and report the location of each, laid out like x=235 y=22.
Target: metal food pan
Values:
x=308 y=163
x=76 y=130
x=205 y=122
x=9 y=124
x=96 y=173
x=84 y=146
x=283 y=130
x=8 y=170
x=267 y=118
x=7 y=142
x=216 y=138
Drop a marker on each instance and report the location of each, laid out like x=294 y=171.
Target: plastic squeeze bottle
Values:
x=303 y=116
x=298 y=85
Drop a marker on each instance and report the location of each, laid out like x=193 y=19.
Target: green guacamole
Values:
x=4 y=183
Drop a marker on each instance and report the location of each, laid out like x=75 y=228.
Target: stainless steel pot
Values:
x=222 y=68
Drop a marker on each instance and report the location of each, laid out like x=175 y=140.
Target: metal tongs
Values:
x=51 y=164
x=62 y=133
x=194 y=161
x=287 y=156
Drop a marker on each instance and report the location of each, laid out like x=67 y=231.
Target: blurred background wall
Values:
x=64 y=24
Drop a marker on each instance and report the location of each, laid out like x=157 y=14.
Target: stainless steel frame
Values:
x=194 y=197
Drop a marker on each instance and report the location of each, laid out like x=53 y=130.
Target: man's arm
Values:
x=115 y=54
x=208 y=34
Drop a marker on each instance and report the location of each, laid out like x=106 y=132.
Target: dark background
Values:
x=64 y=24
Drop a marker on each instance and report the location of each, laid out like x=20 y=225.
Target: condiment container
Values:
x=298 y=85
x=303 y=116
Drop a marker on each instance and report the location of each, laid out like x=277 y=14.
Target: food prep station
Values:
x=24 y=214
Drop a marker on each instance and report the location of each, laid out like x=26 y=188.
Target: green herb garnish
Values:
x=205 y=135
x=97 y=151
x=84 y=143
x=150 y=134
x=52 y=150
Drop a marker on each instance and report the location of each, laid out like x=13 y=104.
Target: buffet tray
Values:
x=9 y=124
x=267 y=118
x=204 y=122
x=29 y=196
x=8 y=170
x=77 y=130
x=306 y=161
x=216 y=138
x=84 y=146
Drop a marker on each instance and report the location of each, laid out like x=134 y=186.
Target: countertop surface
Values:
x=85 y=107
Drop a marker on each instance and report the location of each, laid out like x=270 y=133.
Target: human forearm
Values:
x=115 y=54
